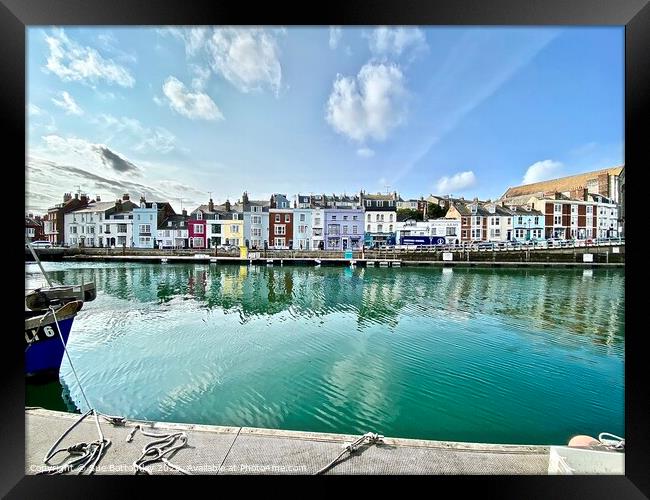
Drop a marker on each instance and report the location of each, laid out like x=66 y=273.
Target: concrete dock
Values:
x=244 y=450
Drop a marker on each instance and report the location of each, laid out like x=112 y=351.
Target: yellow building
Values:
x=233 y=232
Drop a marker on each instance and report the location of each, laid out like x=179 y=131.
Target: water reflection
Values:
x=535 y=299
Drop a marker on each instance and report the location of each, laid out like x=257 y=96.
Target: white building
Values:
x=449 y=229
x=317 y=228
x=118 y=230
x=87 y=227
x=173 y=232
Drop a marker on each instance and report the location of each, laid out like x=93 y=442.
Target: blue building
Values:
x=343 y=229
x=527 y=224
x=146 y=219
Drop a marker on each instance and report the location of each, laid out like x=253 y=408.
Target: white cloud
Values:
x=194 y=38
x=193 y=105
x=456 y=183
x=247 y=58
x=141 y=138
x=541 y=171
x=34 y=110
x=72 y=62
x=370 y=105
x=335 y=36
x=202 y=74
x=68 y=104
x=394 y=41
x=365 y=152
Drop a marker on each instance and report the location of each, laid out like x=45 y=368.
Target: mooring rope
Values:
x=158 y=449
x=88 y=454
x=370 y=437
x=618 y=443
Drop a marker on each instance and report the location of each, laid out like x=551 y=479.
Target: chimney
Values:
x=76 y=196
x=227 y=205
x=184 y=213
x=67 y=197
x=84 y=198
x=272 y=202
x=97 y=198
x=118 y=205
x=210 y=206
x=125 y=197
x=142 y=200
x=244 y=198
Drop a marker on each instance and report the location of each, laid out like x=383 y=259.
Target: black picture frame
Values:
x=15 y=15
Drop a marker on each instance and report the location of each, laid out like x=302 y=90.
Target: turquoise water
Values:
x=485 y=355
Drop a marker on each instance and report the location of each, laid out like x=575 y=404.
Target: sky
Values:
x=180 y=114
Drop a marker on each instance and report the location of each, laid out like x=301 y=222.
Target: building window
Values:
x=277 y=217
x=256 y=219
x=234 y=228
x=367 y=203
x=536 y=221
x=465 y=221
x=199 y=216
x=345 y=229
x=369 y=217
x=355 y=217
x=380 y=203
x=198 y=228
x=354 y=229
x=451 y=231
x=464 y=234
x=333 y=217
x=287 y=217
x=256 y=232
x=368 y=228
x=302 y=217
x=197 y=242
x=477 y=221
x=390 y=218
x=390 y=228
x=280 y=230
x=279 y=242
x=574 y=208
x=476 y=234
x=558 y=208
x=590 y=209
x=380 y=228
x=317 y=221
x=557 y=220
x=520 y=220
x=145 y=228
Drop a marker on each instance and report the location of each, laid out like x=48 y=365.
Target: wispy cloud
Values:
x=370 y=105
x=394 y=42
x=193 y=105
x=365 y=152
x=133 y=132
x=541 y=171
x=335 y=36
x=68 y=104
x=72 y=62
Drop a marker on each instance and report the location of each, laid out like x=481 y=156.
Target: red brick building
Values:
x=54 y=226
x=280 y=228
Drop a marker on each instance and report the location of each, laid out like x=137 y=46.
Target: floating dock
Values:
x=245 y=450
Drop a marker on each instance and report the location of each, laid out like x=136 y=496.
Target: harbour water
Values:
x=520 y=356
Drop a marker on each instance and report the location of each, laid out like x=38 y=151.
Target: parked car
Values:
x=41 y=244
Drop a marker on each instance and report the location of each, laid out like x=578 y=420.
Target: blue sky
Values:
x=175 y=113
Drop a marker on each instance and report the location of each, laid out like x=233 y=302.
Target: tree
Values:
x=407 y=213
x=435 y=211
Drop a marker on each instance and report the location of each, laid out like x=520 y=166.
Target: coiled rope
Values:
x=158 y=449
x=82 y=455
x=618 y=443
x=371 y=439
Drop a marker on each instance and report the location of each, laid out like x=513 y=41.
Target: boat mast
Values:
x=38 y=261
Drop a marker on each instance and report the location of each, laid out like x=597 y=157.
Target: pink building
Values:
x=197 y=233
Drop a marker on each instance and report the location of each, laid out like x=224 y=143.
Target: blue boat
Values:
x=49 y=311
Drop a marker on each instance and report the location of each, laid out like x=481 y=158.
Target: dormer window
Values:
x=169 y=224
x=199 y=215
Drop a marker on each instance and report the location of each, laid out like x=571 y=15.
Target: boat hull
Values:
x=43 y=348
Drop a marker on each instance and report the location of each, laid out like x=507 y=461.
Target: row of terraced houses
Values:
x=584 y=206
